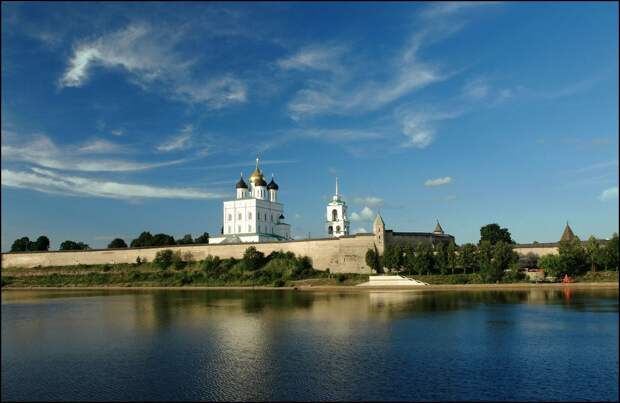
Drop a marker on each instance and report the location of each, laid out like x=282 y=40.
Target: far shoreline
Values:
x=340 y=288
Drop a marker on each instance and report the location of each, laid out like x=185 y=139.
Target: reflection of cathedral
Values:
x=255 y=215
x=337 y=220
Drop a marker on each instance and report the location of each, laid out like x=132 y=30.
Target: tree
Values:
x=452 y=259
x=164 y=258
x=21 y=245
x=552 y=265
x=610 y=255
x=440 y=258
x=204 y=238
x=186 y=240
x=163 y=240
x=493 y=233
x=496 y=260
x=117 y=243
x=594 y=253
x=393 y=257
x=253 y=259
x=573 y=257
x=373 y=260
x=468 y=258
x=72 y=245
x=145 y=239
x=485 y=256
x=423 y=258
x=42 y=243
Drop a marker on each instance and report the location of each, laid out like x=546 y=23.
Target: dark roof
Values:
x=438 y=229
x=273 y=185
x=241 y=184
x=568 y=234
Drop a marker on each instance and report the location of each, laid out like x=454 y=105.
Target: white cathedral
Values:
x=255 y=215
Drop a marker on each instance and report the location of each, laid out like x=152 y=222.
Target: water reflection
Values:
x=281 y=345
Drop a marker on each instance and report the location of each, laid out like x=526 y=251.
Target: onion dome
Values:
x=272 y=185
x=257 y=177
x=241 y=184
x=281 y=217
x=260 y=182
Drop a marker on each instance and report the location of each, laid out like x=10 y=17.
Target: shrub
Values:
x=117 y=243
x=164 y=258
x=253 y=259
x=279 y=283
x=341 y=277
x=211 y=264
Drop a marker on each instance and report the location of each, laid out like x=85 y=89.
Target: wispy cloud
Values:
x=609 y=194
x=438 y=182
x=179 y=142
x=449 y=8
x=41 y=151
x=613 y=164
x=99 y=146
x=150 y=57
x=118 y=132
x=418 y=124
x=51 y=182
x=315 y=57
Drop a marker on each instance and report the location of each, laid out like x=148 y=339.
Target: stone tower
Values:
x=568 y=234
x=378 y=229
x=337 y=222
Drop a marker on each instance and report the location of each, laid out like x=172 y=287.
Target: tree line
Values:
x=144 y=239
x=494 y=258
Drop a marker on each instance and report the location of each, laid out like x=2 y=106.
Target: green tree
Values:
x=253 y=259
x=552 y=265
x=452 y=257
x=423 y=258
x=504 y=258
x=72 y=245
x=493 y=233
x=21 y=245
x=164 y=258
x=594 y=253
x=393 y=257
x=485 y=257
x=163 y=240
x=42 y=243
x=573 y=257
x=440 y=258
x=610 y=255
x=204 y=238
x=117 y=243
x=145 y=239
x=186 y=240
x=468 y=258
x=373 y=260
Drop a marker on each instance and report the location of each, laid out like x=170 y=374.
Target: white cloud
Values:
x=365 y=215
x=609 y=194
x=438 y=182
x=99 y=146
x=369 y=201
x=149 y=56
x=450 y=197
x=448 y=8
x=118 y=132
x=314 y=57
x=361 y=230
x=42 y=151
x=418 y=124
x=50 y=182
x=476 y=89
x=178 y=142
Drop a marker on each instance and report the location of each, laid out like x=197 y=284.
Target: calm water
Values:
x=282 y=345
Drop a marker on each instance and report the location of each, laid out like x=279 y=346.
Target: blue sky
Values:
x=119 y=118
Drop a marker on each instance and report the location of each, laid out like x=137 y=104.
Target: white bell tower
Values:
x=336 y=213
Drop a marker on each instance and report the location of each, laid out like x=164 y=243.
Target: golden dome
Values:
x=257 y=175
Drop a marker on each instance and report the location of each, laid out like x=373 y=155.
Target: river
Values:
x=296 y=345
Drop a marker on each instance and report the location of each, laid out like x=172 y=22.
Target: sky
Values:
x=119 y=118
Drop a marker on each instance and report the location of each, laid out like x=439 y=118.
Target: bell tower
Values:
x=337 y=221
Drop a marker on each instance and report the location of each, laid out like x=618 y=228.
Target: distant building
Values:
x=255 y=215
x=336 y=213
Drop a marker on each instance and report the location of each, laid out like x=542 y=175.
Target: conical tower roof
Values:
x=568 y=234
x=378 y=225
x=438 y=229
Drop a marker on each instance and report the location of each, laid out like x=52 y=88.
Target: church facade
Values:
x=337 y=221
x=255 y=215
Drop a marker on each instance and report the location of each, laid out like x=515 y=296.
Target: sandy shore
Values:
x=434 y=287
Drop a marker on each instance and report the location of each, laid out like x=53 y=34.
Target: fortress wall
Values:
x=538 y=251
x=340 y=255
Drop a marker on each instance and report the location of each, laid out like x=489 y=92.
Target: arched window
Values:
x=330 y=230
x=239 y=216
x=229 y=218
x=334 y=215
x=249 y=228
x=239 y=229
x=250 y=215
x=338 y=228
x=229 y=231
